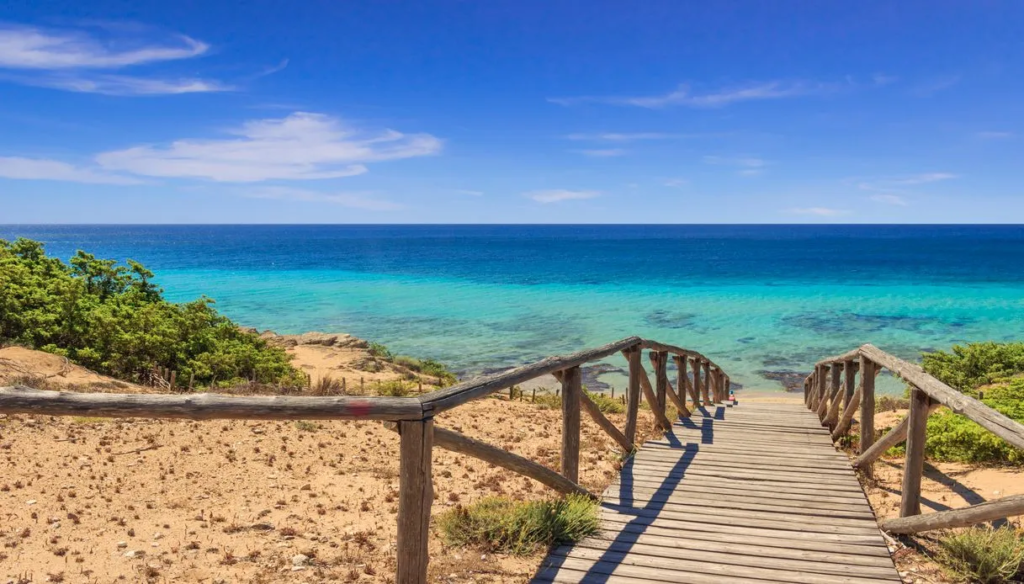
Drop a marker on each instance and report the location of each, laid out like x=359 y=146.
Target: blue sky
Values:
x=511 y=112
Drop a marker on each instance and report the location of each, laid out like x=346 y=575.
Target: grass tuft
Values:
x=983 y=555
x=499 y=524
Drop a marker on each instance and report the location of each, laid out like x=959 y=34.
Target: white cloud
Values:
x=936 y=85
x=357 y=200
x=120 y=84
x=302 y=146
x=819 y=211
x=24 y=47
x=676 y=182
x=890 y=200
x=80 y=61
x=928 y=177
x=469 y=192
x=15 y=167
x=882 y=79
x=683 y=96
x=602 y=152
x=557 y=195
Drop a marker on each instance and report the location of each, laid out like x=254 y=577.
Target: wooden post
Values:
x=344 y=385
x=697 y=389
x=415 y=496
x=572 y=387
x=835 y=405
x=174 y=377
x=659 y=360
x=728 y=387
x=632 y=393
x=533 y=398
x=419 y=385
x=850 y=377
x=824 y=390
x=867 y=406
x=191 y=380
x=708 y=380
x=362 y=386
x=613 y=393
x=913 y=467
x=681 y=382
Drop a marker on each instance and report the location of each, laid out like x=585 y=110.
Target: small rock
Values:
x=298 y=568
x=30 y=502
x=134 y=554
x=122 y=544
x=300 y=560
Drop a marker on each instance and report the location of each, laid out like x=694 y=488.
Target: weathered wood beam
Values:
x=206 y=406
x=462 y=444
x=659 y=362
x=645 y=384
x=893 y=437
x=867 y=404
x=605 y=424
x=913 y=468
x=572 y=388
x=678 y=395
x=843 y=426
x=415 y=496
x=633 y=357
x=988 y=511
x=458 y=394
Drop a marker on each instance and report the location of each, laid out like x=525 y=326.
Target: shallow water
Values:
x=763 y=301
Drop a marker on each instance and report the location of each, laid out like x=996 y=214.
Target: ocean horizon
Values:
x=764 y=301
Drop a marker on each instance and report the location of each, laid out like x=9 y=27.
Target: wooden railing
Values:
x=413 y=419
x=832 y=391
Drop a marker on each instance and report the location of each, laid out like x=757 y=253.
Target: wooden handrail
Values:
x=927 y=394
x=413 y=419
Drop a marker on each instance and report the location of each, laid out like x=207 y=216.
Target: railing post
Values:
x=913 y=466
x=706 y=382
x=682 y=383
x=632 y=392
x=835 y=406
x=659 y=360
x=867 y=406
x=695 y=367
x=415 y=496
x=822 y=390
x=572 y=386
x=850 y=377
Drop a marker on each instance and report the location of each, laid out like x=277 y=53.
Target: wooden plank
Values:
x=720 y=570
x=206 y=406
x=572 y=387
x=739 y=499
x=747 y=557
x=754 y=487
x=415 y=496
x=728 y=525
x=683 y=511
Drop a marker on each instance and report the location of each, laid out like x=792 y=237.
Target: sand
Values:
x=94 y=500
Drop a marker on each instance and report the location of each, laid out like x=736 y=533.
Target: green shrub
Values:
x=113 y=319
x=393 y=388
x=888 y=403
x=548 y=400
x=983 y=555
x=380 y=351
x=952 y=437
x=606 y=404
x=975 y=364
x=499 y=524
x=427 y=367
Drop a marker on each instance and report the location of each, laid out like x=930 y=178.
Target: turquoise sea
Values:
x=763 y=301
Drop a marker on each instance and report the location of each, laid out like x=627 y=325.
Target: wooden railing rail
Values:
x=413 y=419
x=926 y=395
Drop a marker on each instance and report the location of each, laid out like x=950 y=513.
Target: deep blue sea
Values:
x=760 y=300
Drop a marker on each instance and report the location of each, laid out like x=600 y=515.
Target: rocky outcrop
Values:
x=340 y=340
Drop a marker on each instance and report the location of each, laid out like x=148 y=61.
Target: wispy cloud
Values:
x=302 y=146
x=356 y=200
x=684 y=96
x=623 y=137
x=900 y=183
x=994 y=135
x=470 y=193
x=82 y=61
x=746 y=165
x=676 y=182
x=25 y=47
x=559 y=195
x=818 y=211
x=602 y=152
x=895 y=200
x=938 y=84
x=920 y=179
x=881 y=79
x=16 y=167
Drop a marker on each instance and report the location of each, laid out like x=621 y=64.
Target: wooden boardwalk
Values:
x=751 y=493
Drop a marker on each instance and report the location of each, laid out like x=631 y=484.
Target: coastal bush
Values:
x=606 y=404
x=952 y=437
x=427 y=367
x=113 y=319
x=983 y=555
x=500 y=524
x=966 y=367
x=380 y=351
